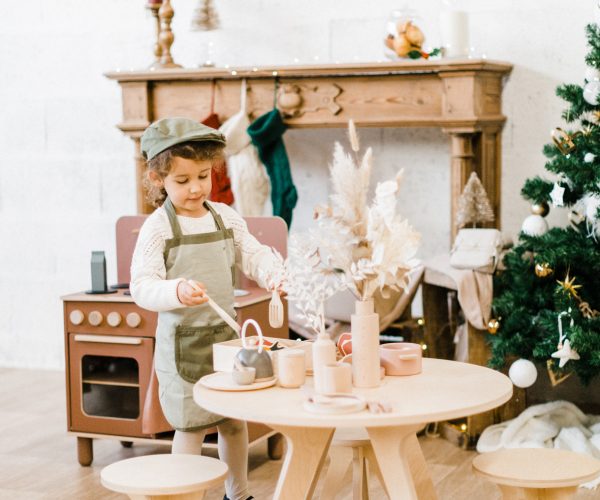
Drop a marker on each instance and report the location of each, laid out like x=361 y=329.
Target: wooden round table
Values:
x=444 y=390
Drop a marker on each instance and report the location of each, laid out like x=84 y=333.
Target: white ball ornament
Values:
x=592 y=74
x=589 y=157
x=534 y=225
x=523 y=373
x=591 y=91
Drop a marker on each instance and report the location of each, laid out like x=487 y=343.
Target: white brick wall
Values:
x=67 y=173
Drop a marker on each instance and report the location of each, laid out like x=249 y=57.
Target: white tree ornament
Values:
x=523 y=373
x=557 y=194
x=565 y=353
x=534 y=225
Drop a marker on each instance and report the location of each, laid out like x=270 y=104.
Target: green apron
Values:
x=185 y=336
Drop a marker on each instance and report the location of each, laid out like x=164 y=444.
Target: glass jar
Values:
x=404 y=35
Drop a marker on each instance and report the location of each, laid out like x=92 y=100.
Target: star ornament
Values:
x=565 y=353
x=569 y=286
x=557 y=194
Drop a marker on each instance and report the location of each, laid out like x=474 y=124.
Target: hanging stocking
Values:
x=249 y=180
x=266 y=133
x=221 y=184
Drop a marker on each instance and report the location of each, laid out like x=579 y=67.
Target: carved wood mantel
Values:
x=462 y=97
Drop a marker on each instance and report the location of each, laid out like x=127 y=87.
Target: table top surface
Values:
x=443 y=390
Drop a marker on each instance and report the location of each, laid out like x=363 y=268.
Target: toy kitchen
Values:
x=109 y=346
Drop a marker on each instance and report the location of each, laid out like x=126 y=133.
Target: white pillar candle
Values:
x=455 y=33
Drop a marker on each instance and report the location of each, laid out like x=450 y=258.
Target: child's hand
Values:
x=191 y=293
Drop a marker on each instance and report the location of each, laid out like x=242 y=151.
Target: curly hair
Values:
x=161 y=164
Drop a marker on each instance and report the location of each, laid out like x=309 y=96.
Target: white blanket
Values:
x=558 y=424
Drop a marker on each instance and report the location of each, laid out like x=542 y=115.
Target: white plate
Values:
x=222 y=381
x=238 y=292
x=336 y=404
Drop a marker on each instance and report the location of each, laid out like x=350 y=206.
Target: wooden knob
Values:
x=113 y=318
x=95 y=318
x=133 y=319
x=76 y=317
x=289 y=99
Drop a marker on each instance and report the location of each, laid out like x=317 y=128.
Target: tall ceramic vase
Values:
x=364 y=324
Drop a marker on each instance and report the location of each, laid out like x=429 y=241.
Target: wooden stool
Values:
x=164 y=477
x=536 y=473
x=356 y=440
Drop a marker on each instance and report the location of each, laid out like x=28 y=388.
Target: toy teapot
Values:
x=254 y=355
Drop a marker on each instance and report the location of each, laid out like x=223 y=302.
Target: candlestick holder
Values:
x=166 y=36
x=153 y=7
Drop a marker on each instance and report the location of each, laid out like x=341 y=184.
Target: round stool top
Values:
x=536 y=467
x=163 y=474
x=351 y=437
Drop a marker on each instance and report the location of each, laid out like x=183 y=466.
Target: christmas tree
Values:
x=547 y=298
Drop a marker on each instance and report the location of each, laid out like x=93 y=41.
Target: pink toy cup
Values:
x=401 y=358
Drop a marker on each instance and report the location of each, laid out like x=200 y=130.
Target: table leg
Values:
x=304 y=458
x=401 y=462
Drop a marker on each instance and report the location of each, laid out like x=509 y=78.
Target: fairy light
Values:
x=463 y=427
x=233 y=72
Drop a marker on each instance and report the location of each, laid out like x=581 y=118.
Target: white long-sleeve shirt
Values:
x=150 y=287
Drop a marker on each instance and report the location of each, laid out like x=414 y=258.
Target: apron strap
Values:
x=216 y=216
x=175 y=227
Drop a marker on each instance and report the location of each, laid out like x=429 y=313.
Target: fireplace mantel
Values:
x=462 y=97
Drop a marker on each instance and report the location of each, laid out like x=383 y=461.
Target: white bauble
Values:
x=592 y=74
x=523 y=373
x=589 y=157
x=534 y=225
x=591 y=91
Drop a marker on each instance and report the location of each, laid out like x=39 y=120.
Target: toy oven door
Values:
x=109 y=377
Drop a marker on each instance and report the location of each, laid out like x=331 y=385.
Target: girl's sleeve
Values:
x=255 y=260
x=149 y=286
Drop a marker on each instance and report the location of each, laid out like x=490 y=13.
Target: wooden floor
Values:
x=38 y=459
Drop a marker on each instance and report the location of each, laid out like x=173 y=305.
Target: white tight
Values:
x=233 y=450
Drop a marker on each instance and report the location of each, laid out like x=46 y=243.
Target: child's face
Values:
x=188 y=185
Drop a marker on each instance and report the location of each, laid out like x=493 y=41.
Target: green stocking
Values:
x=266 y=133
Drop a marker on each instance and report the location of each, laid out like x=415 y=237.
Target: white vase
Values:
x=323 y=354
x=365 y=345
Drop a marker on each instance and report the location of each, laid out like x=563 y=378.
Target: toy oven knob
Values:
x=76 y=316
x=113 y=318
x=95 y=318
x=133 y=319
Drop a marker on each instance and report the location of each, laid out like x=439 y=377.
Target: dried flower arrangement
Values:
x=356 y=246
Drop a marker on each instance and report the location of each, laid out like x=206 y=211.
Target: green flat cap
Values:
x=167 y=132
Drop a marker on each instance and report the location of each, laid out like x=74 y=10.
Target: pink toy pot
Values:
x=401 y=358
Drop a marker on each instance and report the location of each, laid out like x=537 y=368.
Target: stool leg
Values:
x=340 y=463
x=360 y=481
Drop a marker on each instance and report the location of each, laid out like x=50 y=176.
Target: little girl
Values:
x=188 y=248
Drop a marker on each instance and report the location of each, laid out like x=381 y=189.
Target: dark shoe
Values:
x=225 y=497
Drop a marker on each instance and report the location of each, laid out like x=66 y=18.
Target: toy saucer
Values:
x=222 y=381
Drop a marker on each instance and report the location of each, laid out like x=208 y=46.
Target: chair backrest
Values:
x=270 y=231
x=128 y=229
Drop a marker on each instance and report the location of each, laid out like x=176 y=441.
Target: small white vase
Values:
x=365 y=345
x=323 y=354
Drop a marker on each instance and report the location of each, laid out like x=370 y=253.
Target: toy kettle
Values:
x=255 y=355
